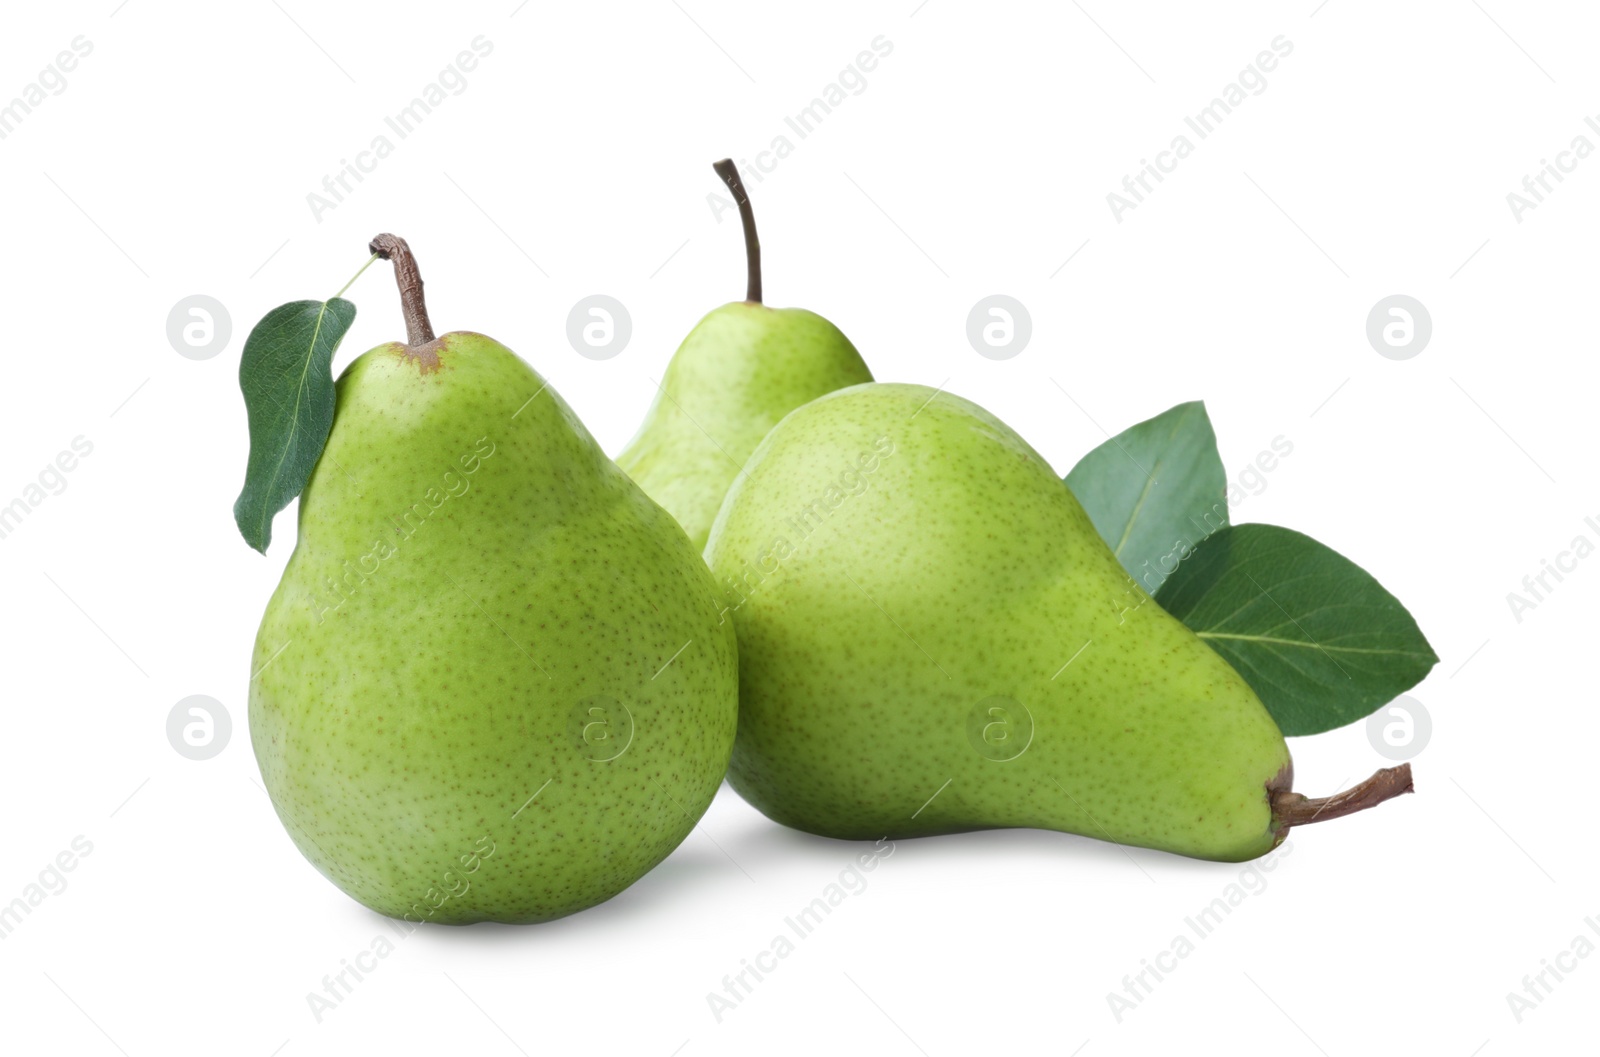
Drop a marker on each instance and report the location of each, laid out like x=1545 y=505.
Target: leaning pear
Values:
x=934 y=638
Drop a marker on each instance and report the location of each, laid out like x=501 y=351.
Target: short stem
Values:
x=356 y=276
x=393 y=248
x=752 y=245
x=1293 y=809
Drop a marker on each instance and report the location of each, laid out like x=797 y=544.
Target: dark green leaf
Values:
x=1155 y=490
x=1318 y=639
x=286 y=374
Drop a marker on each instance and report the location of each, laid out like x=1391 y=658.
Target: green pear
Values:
x=493 y=683
x=933 y=638
x=740 y=370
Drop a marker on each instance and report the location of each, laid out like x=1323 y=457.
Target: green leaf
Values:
x=286 y=374
x=1154 y=491
x=1318 y=639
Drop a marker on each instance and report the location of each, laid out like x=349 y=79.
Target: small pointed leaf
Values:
x=286 y=373
x=1155 y=490
x=1316 y=637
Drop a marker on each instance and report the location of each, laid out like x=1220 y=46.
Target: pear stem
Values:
x=752 y=245
x=393 y=248
x=1293 y=809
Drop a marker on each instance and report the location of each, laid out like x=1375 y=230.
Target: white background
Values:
x=1378 y=160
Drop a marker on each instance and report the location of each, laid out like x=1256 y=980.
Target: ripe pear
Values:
x=933 y=638
x=493 y=683
x=741 y=369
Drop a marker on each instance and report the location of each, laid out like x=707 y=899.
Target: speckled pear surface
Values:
x=933 y=638
x=741 y=369
x=493 y=682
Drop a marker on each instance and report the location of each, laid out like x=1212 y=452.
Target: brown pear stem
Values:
x=1293 y=809
x=393 y=248
x=752 y=245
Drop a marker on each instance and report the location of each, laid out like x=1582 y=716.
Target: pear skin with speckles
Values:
x=933 y=638
x=494 y=683
x=742 y=368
